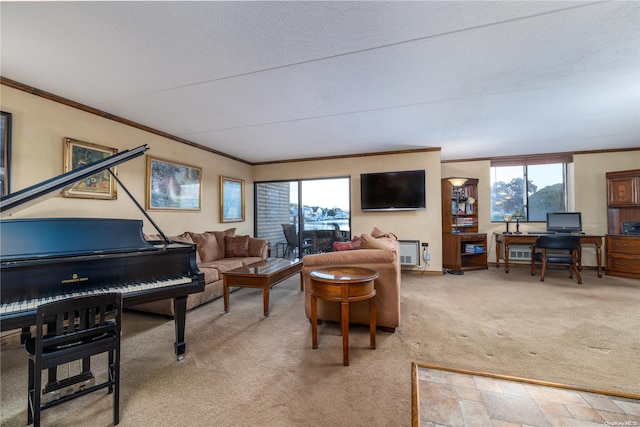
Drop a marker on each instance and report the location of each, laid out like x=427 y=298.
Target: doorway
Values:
x=314 y=213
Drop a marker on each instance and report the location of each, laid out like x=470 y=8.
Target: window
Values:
x=318 y=209
x=528 y=188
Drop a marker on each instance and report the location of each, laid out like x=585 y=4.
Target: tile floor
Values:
x=457 y=398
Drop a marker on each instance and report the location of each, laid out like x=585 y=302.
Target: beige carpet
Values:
x=243 y=369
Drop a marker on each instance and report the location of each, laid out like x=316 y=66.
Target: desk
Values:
x=530 y=238
x=343 y=285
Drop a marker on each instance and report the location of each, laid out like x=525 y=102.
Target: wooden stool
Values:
x=343 y=285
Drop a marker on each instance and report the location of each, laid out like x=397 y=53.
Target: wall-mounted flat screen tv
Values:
x=564 y=222
x=385 y=191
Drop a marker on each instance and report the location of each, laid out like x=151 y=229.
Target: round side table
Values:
x=343 y=285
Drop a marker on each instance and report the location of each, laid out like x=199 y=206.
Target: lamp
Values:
x=457 y=184
x=507 y=218
x=518 y=216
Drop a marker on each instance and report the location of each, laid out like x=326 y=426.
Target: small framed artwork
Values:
x=172 y=186
x=5 y=162
x=99 y=186
x=231 y=199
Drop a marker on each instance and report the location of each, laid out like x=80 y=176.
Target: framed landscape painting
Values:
x=99 y=186
x=172 y=186
x=231 y=199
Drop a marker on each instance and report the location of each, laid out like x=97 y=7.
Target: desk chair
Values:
x=556 y=249
x=69 y=330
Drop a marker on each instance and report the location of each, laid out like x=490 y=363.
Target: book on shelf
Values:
x=464 y=222
x=462 y=193
x=473 y=248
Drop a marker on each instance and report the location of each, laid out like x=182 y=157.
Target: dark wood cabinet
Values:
x=622 y=191
x=623 y=255
x=622 y=250
x=463 y=248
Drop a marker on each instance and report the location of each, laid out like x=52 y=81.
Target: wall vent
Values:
x=409 y=252
x=519 y=253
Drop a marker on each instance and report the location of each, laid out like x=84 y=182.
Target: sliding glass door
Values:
x=303 y=216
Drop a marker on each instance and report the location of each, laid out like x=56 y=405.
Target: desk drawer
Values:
x=623 y=245
x=623 y=263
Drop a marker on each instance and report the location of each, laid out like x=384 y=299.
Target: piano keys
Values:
x=16 y=307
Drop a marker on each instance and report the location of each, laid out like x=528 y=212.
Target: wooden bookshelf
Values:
x=463 y=247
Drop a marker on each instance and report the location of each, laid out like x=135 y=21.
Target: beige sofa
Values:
x=216 y=252
x=378 y=251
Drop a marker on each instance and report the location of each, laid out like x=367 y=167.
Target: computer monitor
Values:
x=564 y=222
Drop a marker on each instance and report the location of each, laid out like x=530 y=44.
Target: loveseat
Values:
x=377 y=251
x=216 y=252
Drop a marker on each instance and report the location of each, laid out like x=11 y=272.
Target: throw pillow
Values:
x=208 y=247
x=347 y=246
x=220 y=237
x=370 y=242
x=236 y=246
x=186 y=238
x=376 y=232
x=341 y=246
x=256 y=246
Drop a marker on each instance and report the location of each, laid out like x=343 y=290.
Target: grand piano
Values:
x=46 y=259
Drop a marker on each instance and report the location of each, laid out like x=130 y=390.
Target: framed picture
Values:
x=5 y=162
x=172 y=186
x=231 y=199
x=99 y=186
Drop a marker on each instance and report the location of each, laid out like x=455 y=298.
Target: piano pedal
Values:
x=67 y=387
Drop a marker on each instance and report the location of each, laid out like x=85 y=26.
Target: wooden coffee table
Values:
x=263 y=275
x=343 y=285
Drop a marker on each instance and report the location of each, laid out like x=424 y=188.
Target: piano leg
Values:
x=26 y=333
x=180 y=312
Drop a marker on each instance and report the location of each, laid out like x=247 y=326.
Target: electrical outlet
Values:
x=426 y=256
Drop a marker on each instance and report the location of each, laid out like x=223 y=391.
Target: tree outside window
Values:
x=527 y=191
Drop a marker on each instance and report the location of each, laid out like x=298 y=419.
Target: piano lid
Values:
x=31 y=195
x=42 y=238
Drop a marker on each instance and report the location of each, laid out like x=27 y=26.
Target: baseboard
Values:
x=422 y=272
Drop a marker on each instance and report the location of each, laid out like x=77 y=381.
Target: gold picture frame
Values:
x=231 y=199
x=173 y=186
x=99 y=186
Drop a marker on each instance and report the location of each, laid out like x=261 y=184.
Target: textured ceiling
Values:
x=268 y=81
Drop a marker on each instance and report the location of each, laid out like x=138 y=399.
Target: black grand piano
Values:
x=45 y=259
